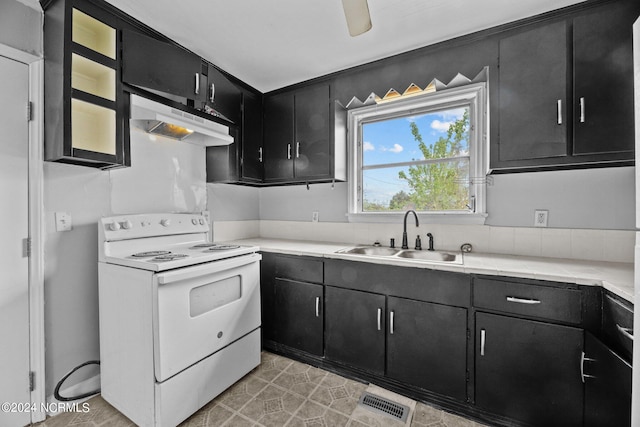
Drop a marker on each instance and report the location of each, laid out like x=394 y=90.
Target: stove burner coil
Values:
x=150 y=254
x=222 y=247
x=168 y=257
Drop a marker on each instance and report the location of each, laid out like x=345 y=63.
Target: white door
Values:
x=14 y=286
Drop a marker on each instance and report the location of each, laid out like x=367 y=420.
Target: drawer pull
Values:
x=627 y=332
x=523 y=300
x=379 y=319
x=317 y=306
x=583 y=359
x=483 y=340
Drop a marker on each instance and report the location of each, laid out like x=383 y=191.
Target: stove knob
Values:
x=194 y=221
x=165 y=222
x=202 y=222
x=114 y=226
x=127 y=225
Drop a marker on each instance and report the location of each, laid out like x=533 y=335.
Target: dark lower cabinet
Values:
x=529 y=371
x=355 y=328
x=298 y=315
x=607 y=389
x=427 y=346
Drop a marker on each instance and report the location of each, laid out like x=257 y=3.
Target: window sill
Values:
x=462 y=218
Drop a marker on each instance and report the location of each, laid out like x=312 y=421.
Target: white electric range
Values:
x=179 y=315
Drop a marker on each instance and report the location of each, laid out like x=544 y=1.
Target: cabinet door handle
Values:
x=583 y=358
x=483 y=340
x=379 y=319
x=260 y=154
x=582 y=110
x=559 y=111
x=297 y=150
x=317 y=306
x=391 y=326
x=288 y=151
x=197 y=83
x=523 y=300
x=213 y=91
x=627 y=332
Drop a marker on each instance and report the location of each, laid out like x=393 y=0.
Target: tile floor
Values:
x=279 y=392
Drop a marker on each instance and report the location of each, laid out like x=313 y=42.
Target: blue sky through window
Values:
x=391 y=141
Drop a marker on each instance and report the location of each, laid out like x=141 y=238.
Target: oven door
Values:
x=203 y=308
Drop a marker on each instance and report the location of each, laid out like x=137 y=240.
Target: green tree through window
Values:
x=441 y=185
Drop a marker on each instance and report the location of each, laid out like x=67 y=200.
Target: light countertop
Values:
x=615 y=277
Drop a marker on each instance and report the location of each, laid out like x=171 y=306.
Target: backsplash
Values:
x=585 y=244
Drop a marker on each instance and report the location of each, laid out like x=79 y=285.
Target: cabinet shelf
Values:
x=91 y=77
x=93 y=34
x=93 y=128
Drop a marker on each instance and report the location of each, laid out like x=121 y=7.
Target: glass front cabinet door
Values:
x=85 y=120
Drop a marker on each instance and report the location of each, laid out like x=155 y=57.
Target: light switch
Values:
x=63 y=221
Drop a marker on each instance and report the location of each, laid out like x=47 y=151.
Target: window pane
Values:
x=439 y=186
x=433 y=135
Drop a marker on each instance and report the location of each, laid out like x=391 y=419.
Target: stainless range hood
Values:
x=160 y=119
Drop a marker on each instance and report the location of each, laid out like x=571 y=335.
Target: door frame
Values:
x=36 y=226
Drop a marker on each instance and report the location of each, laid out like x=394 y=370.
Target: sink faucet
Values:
x=430 y=236
x=405 y=243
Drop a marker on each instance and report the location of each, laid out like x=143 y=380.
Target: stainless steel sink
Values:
x=409 y=254
x=371 y=250
x=429 y=256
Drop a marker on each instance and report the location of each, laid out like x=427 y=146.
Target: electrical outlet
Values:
x=315 y=216
x=63 y=221
x=540 y=219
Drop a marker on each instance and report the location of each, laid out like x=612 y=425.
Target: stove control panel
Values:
x=151 y=225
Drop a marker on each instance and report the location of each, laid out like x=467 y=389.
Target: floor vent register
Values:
x=384 y=406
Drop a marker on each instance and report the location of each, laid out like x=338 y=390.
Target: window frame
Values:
x=475 y=97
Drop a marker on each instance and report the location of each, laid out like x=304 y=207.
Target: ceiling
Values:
x=274 y=43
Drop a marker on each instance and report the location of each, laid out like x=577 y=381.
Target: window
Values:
x=426 y=152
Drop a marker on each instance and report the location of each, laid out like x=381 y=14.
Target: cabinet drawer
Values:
x=547 y=302
x=299 y=268
x=617 y=324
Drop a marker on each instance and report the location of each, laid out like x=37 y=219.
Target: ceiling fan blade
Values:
x=357 y=14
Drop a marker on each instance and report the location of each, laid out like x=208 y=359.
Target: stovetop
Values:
x=159 y=242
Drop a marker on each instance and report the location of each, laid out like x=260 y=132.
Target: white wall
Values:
x=587 y=198
x=21 y=27
x=165 y=176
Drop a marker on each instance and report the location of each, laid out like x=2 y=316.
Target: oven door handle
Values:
x=187 y=273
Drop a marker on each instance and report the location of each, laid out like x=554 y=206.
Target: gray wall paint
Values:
x=21 y=27
x=227 y=202
x=588 y=198
x=296 y=203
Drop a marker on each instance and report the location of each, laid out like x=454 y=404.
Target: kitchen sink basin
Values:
x=429 y=256
x=409 y=254
x=371 y=250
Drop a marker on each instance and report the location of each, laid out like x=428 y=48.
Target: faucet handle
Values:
x=392 y=243
x=418 y=243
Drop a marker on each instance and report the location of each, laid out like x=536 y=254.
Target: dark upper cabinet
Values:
x=157 y=65
x=85 y=107
x=222 y=95
x=252 y=151
x=427 y=346
x=299 y=315
x=241 y=161
x=607 y=389
x=533 y=93
x=566 y=91
x=603 y=80
x=299 y=136
x=529 y=371
x=355 y=328
x=278 y=136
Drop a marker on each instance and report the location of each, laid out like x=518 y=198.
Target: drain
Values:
x=384 y=406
